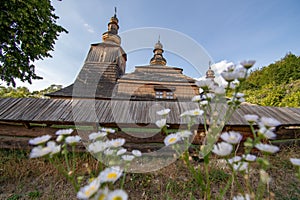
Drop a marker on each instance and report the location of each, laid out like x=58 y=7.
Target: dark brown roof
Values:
x=64 y=111
x=105 y=63
x=157 y=73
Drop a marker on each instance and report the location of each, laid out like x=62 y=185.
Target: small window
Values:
x=169 y=95
x=159 y=94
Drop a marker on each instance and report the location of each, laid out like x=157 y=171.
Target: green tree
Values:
x=23 y=92
x=28 y=31
x=277 y=84
x=41 y=93
x=281 y=72
x=19 y=92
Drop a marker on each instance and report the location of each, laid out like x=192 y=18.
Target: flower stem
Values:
x=206 y=163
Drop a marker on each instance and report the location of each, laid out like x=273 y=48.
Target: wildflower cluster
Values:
x=49 y=148
x=52 y=149
x=97 y=190
x=162 y=123
x=241 y=163
x=110 y=150
x=99 y=144
x=212 y=99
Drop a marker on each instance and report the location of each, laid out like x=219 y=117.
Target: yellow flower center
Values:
x=231 y=138
x=117 y=198
x=172 y=140
x=112 y=175
x=89 y=191
x=102 y=197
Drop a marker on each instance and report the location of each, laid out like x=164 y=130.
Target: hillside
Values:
x=277 y=84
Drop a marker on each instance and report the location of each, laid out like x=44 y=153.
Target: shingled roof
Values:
x=105 y=63
x=114 y=112
x=158 y=74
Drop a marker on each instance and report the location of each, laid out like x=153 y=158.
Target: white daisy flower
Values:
x=240 y=95
x=117 y=195
x=196 y=98
x=231 y=137
x=249 y=157
x=196 y=112
x=108 y=152
x=108 y=130
x=171 y=139
x=161 y=123
x=219 y=90
x=39 y=151
x=64 y=132
x=222 y=149
x=295 y=161
x=101 y=194
x=184 y=134
x=240 y=166
x=241 y=197
x=269 y=122
x=207 y=83
x=73 y=139
x=54 y=148
x=267 y=148
x=241 y=73
x=209 y=96
x=94 y=136
x=163 y=112
x=136 y=153
x=251 y=118
x=128 y=157
x=267 y=133
x=247 y=64
x=232 y=85
x=89 y=190
x=235 y=159
x=185 y=113
x=121 y=151
x=40 y=140
x=97 y=146
x=204 y=103
x=229 y=75
x=111 y=174
x=117 y=142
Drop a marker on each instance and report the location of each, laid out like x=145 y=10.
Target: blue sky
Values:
x=232 y=30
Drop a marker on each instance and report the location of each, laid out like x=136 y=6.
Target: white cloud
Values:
x=218 y=68
x=88 y=28
x=221 y=66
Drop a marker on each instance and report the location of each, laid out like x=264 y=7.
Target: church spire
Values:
x=158 y=58
x=111 y=34
x=210 y=73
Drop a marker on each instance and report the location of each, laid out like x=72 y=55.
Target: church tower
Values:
x=103 y=66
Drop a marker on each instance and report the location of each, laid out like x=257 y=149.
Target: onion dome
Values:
x=111 y=35
x=210 y=73
x=158 y=58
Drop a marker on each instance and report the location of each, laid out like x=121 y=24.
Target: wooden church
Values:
x=103 y=75
x=103 y=94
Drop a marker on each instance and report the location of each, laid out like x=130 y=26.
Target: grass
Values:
x=24 y=178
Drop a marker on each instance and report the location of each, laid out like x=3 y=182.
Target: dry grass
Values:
x=22 y=178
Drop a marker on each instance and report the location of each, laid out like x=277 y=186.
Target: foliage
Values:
x=275 y=85
x=275 y=95
x=281 y=72
x=28 y=31
x=23 y=92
